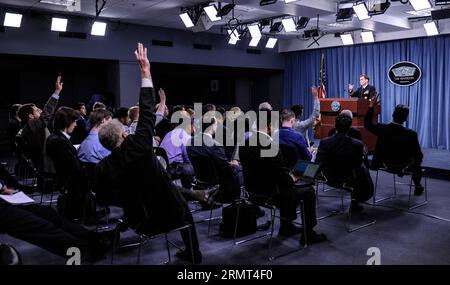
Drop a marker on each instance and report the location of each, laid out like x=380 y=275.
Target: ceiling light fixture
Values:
x=12 y=20
x=420 y=4
x=361 y=11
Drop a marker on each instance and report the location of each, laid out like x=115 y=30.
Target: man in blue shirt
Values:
x=289 y=137
x=91 y=150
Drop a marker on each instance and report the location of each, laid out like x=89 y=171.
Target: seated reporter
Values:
x=341 y=159
x=132 y=177
x=265 y=175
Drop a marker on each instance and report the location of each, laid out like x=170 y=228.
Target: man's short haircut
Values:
x=207 y=108
x=13 y=110
x=79 y=105
x=64 y=117
x=120 y=113
x=110 y=134
x=264 y=119
x=298 y=110
x=287 y=115
x=265 y=106
x=98 y=115
x=177 y=108
x=133 y=112
x=347 y=112
x=24 y=111
x=365 y=76
x=400 y=114
x=343 y=123
x=98 y=105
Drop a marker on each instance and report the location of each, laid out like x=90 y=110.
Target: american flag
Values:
x=322 y=78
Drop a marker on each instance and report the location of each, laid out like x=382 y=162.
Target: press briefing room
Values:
x=267 y=135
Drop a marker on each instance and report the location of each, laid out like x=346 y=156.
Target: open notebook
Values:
x=18 y=198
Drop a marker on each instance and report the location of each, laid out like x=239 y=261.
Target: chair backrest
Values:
x=289 y=156
x=205 y=171
x=162 y=157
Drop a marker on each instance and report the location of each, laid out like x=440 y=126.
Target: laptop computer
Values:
x=306 y=171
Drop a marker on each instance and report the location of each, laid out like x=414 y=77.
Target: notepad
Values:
x=19 y=198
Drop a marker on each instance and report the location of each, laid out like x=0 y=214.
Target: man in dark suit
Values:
x=203 y=148
x=341 y=159
x=397 y=147
x=69 y=171
x=352 y=132
x=31 y=138
x=80 y=132
x=132 y=177
x=265 y=175
x=365 y=91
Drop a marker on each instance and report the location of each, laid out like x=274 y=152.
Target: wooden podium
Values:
x=331 y=107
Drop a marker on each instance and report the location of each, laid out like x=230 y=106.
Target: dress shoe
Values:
x=289 y=230
x=418 y=190
x=187 y=255
x=312 y=237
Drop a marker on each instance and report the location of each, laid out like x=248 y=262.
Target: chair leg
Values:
x=374 y=199
x=141 y=238
x=237 y=223
x=302 y=206
x=168 y=249
x=349 y=222
x=395 y=185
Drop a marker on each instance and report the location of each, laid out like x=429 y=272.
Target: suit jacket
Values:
x=32 y=137
x=340 y=156
x=133 y=178
x=207 y=152
x=265 y=176
x=396 y=145
x=364 y=93
x=353 y=133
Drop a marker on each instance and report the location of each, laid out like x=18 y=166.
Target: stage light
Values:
x=267 y=2
x=344 y=14
x=59 y=24
x=289 y=25
x=234 y=37
x=98 y=29
x=380 y=8
x=225 y=10
x=254 y=31
x=211 y=11
x=361 y=11
x=367 y=37
x=271 y=42
x=186 y=20
x=347 y=39
x=276 y=28
x=12 y=20
x=254 y=42
x=302 y=23
x=420 y=4
x=431 y=29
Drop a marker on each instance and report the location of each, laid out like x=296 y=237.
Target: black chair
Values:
x=162 y=157
x=144 y=236
x=343 y=184
x=400 y=170
x=268 y=201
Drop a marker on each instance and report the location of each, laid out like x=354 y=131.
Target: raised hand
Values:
x=142 y=59
x=58 y=85
x=162 y=96
x=350 y=87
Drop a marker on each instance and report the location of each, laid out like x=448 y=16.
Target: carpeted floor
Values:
x=420 y=236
